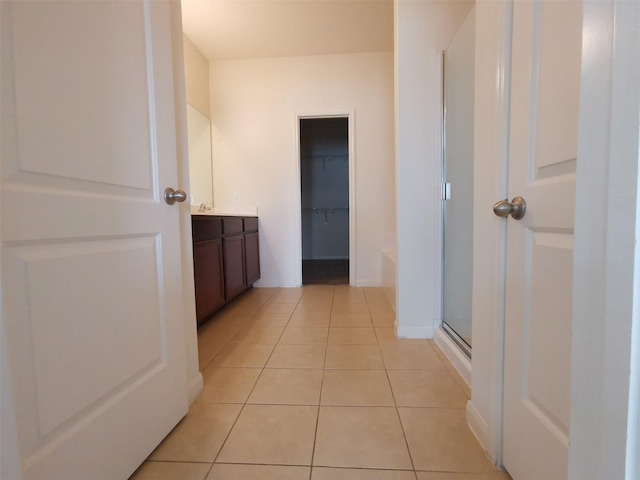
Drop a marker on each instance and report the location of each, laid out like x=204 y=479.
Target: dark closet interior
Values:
x=324 y=175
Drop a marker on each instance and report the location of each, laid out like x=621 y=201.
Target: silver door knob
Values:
x=516 y=208
x=172 y=196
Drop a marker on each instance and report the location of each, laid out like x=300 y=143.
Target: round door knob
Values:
x=172 y=196
x=516 y=208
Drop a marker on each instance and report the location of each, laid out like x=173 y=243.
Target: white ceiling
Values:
x=239 y=29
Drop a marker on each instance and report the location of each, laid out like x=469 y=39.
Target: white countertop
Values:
x=195 y=210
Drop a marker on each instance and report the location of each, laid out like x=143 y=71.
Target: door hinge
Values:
x=446 y=191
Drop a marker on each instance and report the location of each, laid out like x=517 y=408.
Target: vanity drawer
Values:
x=231 y=225
x=251 y=224
x=206 y=228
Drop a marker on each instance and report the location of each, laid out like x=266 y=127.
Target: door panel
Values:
x=545 y=88
x=85 y=68
x=252 y=251
x=209 y=280
x=90 y=252
x=234 y=268
x=59 y=298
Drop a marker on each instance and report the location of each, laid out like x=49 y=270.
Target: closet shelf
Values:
x=327 y=157
x=326 y=212
x=328 y=209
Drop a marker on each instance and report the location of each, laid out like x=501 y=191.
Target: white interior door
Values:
x=90 y=251
x=545 y=89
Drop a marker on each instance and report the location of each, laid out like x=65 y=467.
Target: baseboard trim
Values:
x=414 y=332
x=195 y=387
x=477 y=425
x=368 y=283
x=453 y=353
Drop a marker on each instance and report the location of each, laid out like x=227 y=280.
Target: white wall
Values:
x=422 y=31
x=254 y=105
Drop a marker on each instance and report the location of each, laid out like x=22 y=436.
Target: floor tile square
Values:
x=356 y=387
x=352 y=336
x=373 y=291
x=325 y=473
x=304 y=335
x=288 y=387
x=218 y=331
x=311 y=308
x=316 y=301
x=462 y=476
x=258 y=334
x=208 y=353
x=284 y=296
x=151 y=470
x=270 y=319
x=354 y=357
x=439 y=439
x=357 y=307
x=310 y=320
x=242 y=308
x=228 y=471
x=228 y=385
x=379 y=304
x=297 y=356
x=272 y=434
x=426 y=388
x=339 y=300
x=388 y=335
x=243 y=355
x=410 y=357
x=347 y=297
x=318 y=290
x=277 y=308
x=351 y=320
x=200 y=435
x=383 y=319
x=365 y=437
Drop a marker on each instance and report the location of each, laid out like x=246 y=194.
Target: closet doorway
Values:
x=324 y=189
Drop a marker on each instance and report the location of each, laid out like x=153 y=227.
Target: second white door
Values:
x=545 y=90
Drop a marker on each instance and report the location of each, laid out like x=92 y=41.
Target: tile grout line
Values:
x=395 y=403
x=233 y=336
x=244 y=404
x=324 y=364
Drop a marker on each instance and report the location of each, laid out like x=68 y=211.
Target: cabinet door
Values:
x=209 y=285
x=234 y=266
x=252 y=257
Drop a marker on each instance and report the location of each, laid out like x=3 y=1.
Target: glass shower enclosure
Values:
x=458 y=98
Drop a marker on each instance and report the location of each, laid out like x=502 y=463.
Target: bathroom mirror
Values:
x=200 y=168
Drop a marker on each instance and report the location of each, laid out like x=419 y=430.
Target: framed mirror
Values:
x=200 y=168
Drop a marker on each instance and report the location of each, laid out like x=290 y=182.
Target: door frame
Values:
x=350 y=116
x=605 y=432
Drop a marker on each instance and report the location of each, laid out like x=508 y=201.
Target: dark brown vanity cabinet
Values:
x=226 y=260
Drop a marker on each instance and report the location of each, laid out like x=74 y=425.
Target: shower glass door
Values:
x=458 y=61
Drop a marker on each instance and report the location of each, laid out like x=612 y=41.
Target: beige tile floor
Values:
x=311 y=384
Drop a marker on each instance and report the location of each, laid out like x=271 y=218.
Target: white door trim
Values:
x=195 y=380
x=491 y=144
x=351 y=116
